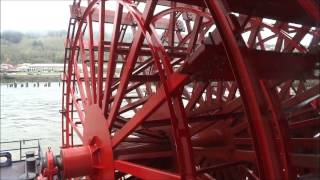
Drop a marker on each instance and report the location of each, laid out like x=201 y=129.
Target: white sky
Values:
x=34 y=15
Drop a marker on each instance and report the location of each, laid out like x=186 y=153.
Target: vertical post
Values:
x=39 y=148
x=172 y=27
x=182 y=139
x=20 y=150
x=112 y=57
x=101 y=51
x=92 y=61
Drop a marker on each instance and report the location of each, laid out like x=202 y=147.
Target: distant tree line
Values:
x=12 y=36
x=32 y=47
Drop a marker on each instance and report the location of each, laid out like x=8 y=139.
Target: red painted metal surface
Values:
x=213 y=89
x=73 y=161
x=50 y=169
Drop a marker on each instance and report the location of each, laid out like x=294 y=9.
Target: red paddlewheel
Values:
x=192 y=90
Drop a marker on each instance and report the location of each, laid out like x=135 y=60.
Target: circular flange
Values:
x=95 y=130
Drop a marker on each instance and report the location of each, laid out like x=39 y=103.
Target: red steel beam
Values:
x=269 y=162
x=92 y=57
x=85 y=71
x=227 y=154
x=267 y=64
x=101 y=51
x=130 y=61
x=142 y=171
x=309 y=15
x=112 y=58
x=126 y=19
x=70 y=66
x=312 y=8
x=248 y=67
x=174 y=82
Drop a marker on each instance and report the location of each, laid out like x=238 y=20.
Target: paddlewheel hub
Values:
x=77 y=161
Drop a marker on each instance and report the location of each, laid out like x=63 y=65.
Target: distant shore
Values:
x=30 y=77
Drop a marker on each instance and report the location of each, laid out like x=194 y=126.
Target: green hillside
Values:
x=19 y=47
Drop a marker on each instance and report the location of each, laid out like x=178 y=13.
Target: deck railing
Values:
x=20 y=146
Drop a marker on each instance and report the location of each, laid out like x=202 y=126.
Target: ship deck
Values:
x=12 y=172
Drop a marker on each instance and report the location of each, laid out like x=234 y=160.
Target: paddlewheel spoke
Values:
x=191 y=90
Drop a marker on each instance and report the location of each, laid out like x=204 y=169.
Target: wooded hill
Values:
x=17 y=47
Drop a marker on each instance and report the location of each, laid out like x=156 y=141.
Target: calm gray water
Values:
x=31 y=112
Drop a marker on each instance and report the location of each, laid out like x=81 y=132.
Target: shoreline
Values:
x=23 y=77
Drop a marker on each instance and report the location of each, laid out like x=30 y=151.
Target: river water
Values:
x=31 y=112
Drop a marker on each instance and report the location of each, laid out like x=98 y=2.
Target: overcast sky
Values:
x=34 y=15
